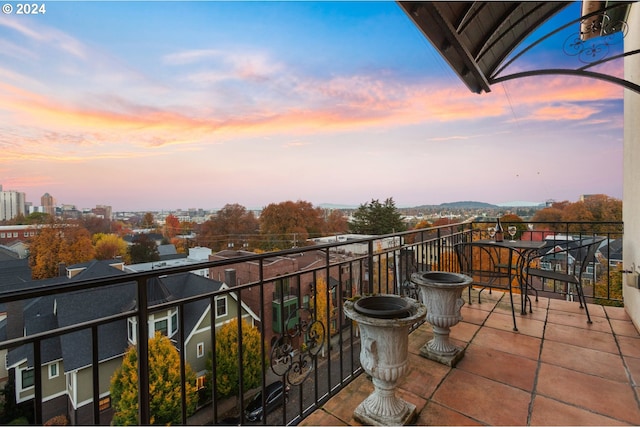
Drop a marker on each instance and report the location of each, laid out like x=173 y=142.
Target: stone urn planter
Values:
x=384 y=322
x=442 y=294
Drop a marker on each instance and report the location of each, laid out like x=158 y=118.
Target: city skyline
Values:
x=164 y=105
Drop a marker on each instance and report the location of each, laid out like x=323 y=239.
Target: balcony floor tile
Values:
x=555 y=370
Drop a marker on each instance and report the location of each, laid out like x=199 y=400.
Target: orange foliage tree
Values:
x=233 y=225
x=287 y=224
x=171 y=226
x=57 y=243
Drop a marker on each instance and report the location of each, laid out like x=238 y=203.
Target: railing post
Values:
x=143 y=353
x=370 y=267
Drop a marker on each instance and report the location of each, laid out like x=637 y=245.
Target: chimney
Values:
x=230 y=277
x=15 y=319
x=62 y=269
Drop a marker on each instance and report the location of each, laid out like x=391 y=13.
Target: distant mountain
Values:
x=467 y=205
x=518 y=204
x=336 y=206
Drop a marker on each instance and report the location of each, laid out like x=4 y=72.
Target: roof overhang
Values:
x=479 y=39
x=476 y=37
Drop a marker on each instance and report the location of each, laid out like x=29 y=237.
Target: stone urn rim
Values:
x=416 y=311
x=442 y=279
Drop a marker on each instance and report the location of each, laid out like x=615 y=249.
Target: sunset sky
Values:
x=163 y=105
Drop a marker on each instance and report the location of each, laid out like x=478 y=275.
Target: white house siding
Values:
x=631 y=165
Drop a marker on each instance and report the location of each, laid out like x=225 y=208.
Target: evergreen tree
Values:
x=227 y=370
x=377 y=218
x=144 y=250
x=164 y=385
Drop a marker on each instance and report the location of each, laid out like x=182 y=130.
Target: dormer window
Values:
x=165 y=322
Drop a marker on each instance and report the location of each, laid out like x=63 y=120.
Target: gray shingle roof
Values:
x=85 y=305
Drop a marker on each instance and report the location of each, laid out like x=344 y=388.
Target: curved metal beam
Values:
x=580 y=73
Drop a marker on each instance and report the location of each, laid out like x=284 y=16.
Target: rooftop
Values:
x=556 y=370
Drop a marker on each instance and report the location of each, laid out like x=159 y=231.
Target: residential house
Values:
x=196 y=255
x=14 y=271
x=283 y=295
x=66 y=361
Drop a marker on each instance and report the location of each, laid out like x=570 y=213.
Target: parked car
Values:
x=274 y=398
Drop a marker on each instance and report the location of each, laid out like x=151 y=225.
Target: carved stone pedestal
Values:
x=442 y=294
x=383 y=354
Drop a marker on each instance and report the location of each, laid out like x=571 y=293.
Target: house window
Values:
x=200 y=349
x=174 y=322
x=28 y=378
x=2 y=235
x=221 y=306
x=104 y=403
x=164 y=322
x=25 y=234
x=161 y=326
x=53 y=370
x=132 y=330
x=200 y=382
x=15 y=234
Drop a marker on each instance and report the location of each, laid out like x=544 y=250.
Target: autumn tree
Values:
x=599 y=209
x=335 y=222
x=321 y=302
x=289 y=224
x=148 y=221
x=95 y=224
x=608 y=288
x=233 y=225
x=377 y=218
x=143 y=250
x=422 y=235
x=76 y=246
x=227 y=369
x=57 y=243
x=549 y=218
x=109 y=246
x=165 y=406
x=171 y=226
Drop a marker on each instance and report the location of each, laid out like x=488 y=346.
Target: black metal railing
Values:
x=306 y=341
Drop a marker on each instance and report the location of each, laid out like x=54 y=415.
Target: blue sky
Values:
x=164 y=105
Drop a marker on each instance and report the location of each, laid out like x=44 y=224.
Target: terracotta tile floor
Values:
x=555 y=370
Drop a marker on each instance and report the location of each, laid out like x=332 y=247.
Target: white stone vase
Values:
x=442 y=294
x=384 y=322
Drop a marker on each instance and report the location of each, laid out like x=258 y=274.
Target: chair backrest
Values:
x=481 y=263
x=586 y=254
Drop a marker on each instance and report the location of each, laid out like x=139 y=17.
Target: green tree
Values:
x=227 y=370
x=143 y=250
x=165 y=406
x=377 y=218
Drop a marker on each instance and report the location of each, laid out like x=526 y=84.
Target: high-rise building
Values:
x=12 y=204
x=103 y=210
x=49 y=204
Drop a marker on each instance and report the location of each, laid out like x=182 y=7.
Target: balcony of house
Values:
x=64 y=341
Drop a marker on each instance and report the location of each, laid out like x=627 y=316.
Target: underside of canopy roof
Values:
x=476 y=38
